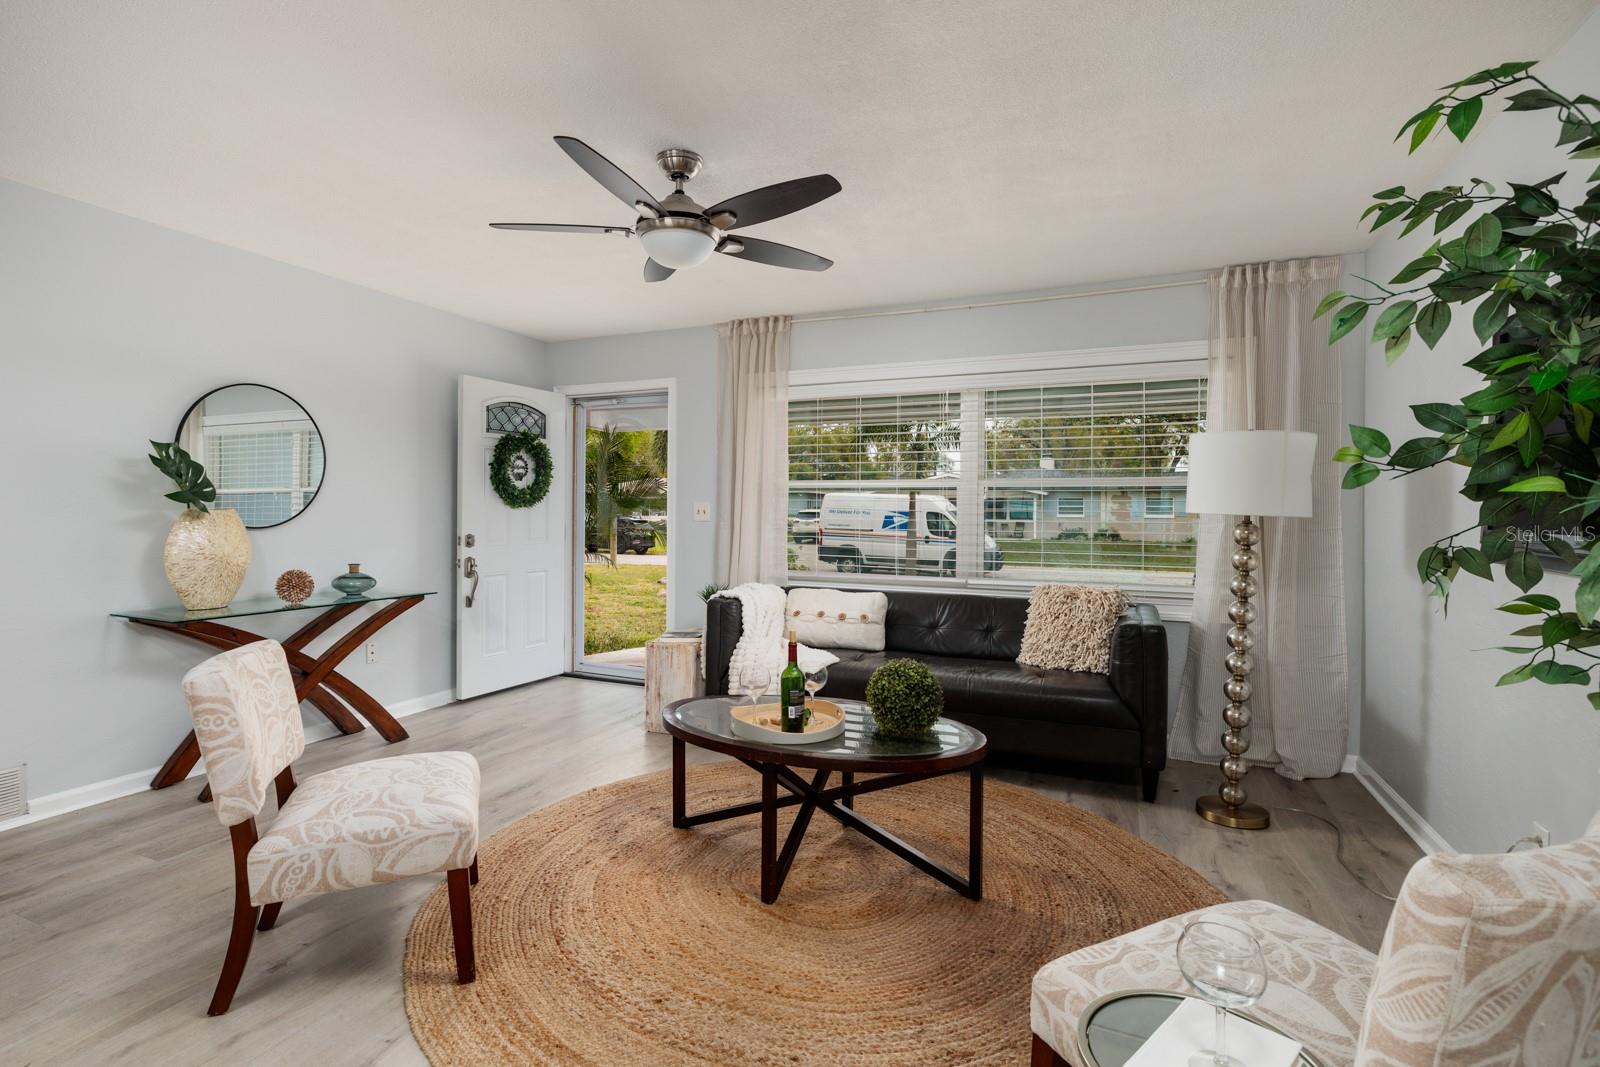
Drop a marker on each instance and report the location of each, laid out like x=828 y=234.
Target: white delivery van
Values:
x=868 y=531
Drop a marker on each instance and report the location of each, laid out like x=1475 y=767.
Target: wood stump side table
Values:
x=671 y=672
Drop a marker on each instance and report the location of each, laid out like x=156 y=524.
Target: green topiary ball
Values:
x=905 y=698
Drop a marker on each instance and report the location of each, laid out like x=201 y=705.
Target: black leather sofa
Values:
x=971 y=644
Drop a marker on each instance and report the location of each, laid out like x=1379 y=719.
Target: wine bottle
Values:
x=792 y=691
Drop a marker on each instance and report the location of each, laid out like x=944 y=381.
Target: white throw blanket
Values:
x=762 y=643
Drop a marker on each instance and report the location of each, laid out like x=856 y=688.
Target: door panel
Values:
x=514 y=631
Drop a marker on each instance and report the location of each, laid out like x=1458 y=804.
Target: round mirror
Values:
x=262 y=450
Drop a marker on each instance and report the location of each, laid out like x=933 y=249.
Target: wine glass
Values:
x=816 y=678
x=754 y=681
x=1225 y=966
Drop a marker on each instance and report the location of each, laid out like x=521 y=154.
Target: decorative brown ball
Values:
x=294 y=586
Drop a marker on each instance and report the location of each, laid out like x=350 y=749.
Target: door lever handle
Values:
x=469 y=569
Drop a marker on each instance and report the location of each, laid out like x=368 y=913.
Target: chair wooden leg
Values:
x=269 y=915
x=244 y=932
x=461 y=923
x=1045 y=1056
x=474 y=870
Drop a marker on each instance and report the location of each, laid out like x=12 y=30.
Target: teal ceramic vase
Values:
x=354 y=583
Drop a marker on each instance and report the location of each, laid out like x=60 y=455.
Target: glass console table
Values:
x=316 y=678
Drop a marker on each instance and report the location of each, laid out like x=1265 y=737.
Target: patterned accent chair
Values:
x=1486 y=960
x=372 y=822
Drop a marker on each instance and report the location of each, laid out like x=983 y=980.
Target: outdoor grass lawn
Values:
x=623 y=606
x=1114 y=555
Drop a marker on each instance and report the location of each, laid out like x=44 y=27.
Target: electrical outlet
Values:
x=372 y=651
x=1541 y=835
x=702 y=513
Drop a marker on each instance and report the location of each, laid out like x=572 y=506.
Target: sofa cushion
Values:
x=997 y=687
x=955 y=624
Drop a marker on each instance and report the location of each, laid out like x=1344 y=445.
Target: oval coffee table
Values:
x=949 y=746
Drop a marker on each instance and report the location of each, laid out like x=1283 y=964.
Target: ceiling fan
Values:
x=677 y=232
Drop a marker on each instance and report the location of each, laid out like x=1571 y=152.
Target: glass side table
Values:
x=1117 y=1025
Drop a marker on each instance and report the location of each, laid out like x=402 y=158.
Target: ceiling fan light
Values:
x=677 y=247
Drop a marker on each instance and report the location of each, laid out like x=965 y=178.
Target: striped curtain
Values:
x=1271 y=368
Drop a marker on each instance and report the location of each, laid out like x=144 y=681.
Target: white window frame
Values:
x=1081 y=498
x=971 y=376
x=1170 y=501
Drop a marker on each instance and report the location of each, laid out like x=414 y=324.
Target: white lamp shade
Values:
x=677 y=248
x=1251 y=472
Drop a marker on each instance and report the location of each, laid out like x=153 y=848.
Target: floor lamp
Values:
x=1247 y=473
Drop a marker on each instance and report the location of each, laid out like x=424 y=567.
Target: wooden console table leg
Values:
x=179 y=764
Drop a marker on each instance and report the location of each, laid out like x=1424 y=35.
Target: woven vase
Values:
x=206 y=555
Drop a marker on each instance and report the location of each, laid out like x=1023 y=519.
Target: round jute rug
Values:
x=606 y=937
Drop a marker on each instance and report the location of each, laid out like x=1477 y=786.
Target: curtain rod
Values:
x=996 y=303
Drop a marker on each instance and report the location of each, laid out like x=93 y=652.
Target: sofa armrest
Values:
x=1139 y=677
x=724 y=627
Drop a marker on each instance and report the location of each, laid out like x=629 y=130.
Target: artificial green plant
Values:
x=1527 y=438
x=194 y=489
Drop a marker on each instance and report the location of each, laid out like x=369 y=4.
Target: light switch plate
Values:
x=702 y=513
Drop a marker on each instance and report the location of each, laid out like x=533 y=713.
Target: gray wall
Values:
x=1148 y=317
x=1480 y=764
x=109 y=328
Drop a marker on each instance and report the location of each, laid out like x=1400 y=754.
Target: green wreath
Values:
x=507 y=451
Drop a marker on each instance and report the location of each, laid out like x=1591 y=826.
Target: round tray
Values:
x=749 y=721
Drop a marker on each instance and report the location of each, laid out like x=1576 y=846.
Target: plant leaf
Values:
x=1346 y=319
x=1347 y=454
x=1588 y=598
x=1512 y=677
x=1523 y=568
x=1483 y=236
x=1473 y=562
x=1441 y=418
x=1395 y=347
x=1432 y=322
x=1543 y=483
x=1464 y=116
x=1359 y=475
x=1420 y=452
x=1424 y=126
x=1511 y=432
x=1395 y=318
x=1371 y=442
x=1552 y=673
x=1328 y=302
x=1431 y=562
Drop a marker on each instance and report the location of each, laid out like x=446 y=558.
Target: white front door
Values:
x=511 y=582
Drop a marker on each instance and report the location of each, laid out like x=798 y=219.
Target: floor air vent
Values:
x=13 y=796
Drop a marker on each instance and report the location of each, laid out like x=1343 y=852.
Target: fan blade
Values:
x=771 y=252
x=775 y=201
x=561 y=227
x=655 y=272
x=607 y=173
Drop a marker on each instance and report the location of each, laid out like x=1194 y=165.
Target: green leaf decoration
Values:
x=1415 y=269
x=1424 y=126
x=1389 y=193
x=1511 y=432
x=1328 y=303
x=1464 y=116
x=1588 y=598
x=1559 y=628
x=1432 y=562
x=1419 y=452
x=1442 y=418
x=1359 y=475
x=1521 y=674
x=1395 y=347
x=1473 y=562
x=1346 y=319
x=1347 y=454
x=1547 y=378
x=1542 y=601
x=1432 y=322
x=1450 y=214
x=1371 y=442
x=1543 y=483
x=1395 y=318
x=1552 y=673
x=1523 y=568
x=1483 y=236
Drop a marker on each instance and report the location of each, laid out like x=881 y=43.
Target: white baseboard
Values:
x=84 y=796
x=1416 y=827
x=1349 y=765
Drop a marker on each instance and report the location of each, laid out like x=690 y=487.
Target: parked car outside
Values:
x=635 y=535
x=805 y=525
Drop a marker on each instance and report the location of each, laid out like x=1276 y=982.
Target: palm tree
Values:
x=621 y=480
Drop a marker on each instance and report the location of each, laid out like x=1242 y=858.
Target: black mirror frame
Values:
x=178 y=433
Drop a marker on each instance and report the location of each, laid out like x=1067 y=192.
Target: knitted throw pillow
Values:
x=1070 y=627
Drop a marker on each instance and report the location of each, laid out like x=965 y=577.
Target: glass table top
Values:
x=860 y=740
x=1112 y=1031
x=260 y=605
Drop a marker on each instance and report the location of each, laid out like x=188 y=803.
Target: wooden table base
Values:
x=316 y=679
x=838 y=802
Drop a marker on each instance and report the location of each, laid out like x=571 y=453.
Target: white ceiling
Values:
x=984 y=147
